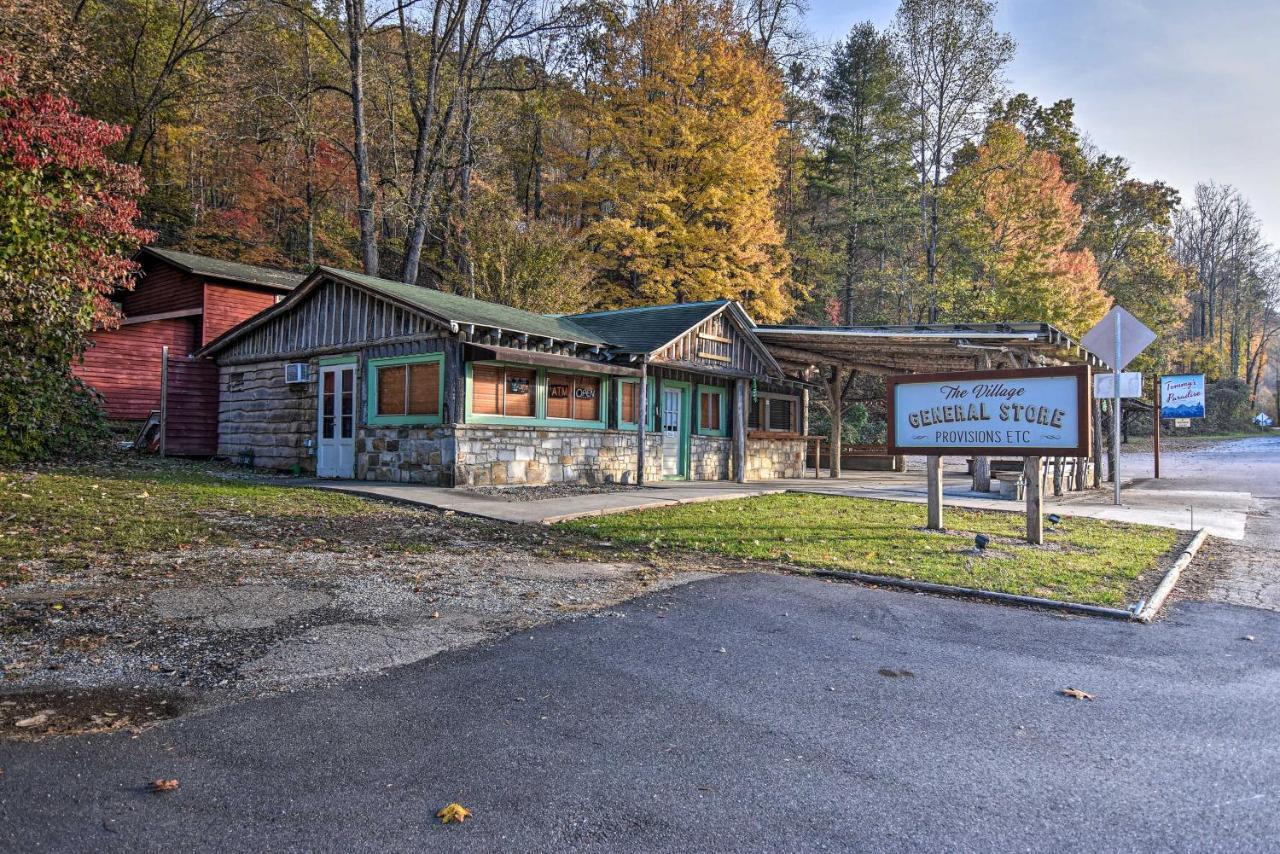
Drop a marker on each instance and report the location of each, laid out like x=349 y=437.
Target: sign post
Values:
x=1155 y=417
x=1032 y=413
x=1118 y=339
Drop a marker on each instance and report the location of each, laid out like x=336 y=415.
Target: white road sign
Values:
x=1130 y=385
x=1134 y=338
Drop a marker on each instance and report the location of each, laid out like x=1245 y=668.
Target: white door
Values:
x=336 y=447
x=671 y=400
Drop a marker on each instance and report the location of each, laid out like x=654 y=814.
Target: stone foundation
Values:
x=406 y=454
x=494 y=455
x=770 y=459
x=709 y=457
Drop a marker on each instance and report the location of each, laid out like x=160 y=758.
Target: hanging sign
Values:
x=1182 y=396
x=1032 y=412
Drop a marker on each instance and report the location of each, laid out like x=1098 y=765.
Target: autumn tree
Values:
x=953 y=58
x=1014 y=228
x=67 y=217
x=682 y=188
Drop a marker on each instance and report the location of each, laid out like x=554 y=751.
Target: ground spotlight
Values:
x=1054 y=518
x=981 y=541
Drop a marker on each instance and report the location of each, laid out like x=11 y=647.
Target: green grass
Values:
x=1084 y=560
x=77 y=516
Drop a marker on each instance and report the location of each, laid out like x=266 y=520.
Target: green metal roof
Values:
x=202 y=265
x=465 y=310
x=647 y=328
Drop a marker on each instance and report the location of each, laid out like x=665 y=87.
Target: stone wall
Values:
x=709 y=457
x=259 y=412
x=495 y=455
x=768 y=459
x=405 y=454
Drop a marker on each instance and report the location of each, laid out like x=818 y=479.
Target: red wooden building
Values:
x=180 y=300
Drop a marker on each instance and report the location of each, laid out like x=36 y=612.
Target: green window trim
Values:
x=540 y=418
x=373 y=419
x=724 y=410
x=344 y=359
x=649 y=410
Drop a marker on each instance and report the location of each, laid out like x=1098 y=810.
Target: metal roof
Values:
x=232 y=271
x=920 y=347
x=644 y=329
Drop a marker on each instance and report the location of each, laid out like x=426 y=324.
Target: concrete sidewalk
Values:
x=1224 y=513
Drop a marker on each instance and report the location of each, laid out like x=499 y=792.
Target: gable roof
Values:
x=645 y=329
x=232 y=271
x=453 y=308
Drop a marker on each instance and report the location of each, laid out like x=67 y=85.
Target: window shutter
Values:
x=391 y=390
x=486 y=390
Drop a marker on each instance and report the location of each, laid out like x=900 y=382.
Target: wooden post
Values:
x=1057 y=477
x=642 y=420
x=835 y=400
x=740 y=430
x=164 y=395
x=981 y=463
x=1155 y=419
x=1035 y=500
x=933 y=466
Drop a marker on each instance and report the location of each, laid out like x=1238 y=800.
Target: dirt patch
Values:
x=35 y=715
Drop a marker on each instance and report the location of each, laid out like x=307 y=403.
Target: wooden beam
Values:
x=740 y=430
x=1035 y=500
x=642 y=420
x=933 y=471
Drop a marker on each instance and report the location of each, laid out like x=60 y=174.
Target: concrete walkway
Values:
x=1149 y=502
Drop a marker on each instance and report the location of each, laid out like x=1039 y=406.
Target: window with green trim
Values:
x=629 y=404
x=406 y=389
x=711 y=411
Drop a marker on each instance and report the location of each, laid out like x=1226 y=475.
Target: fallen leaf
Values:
x=453 y=812
x=888 y=671
x=163 y=785
x=1248 y=637
x=34 y=720
x=1076 y=694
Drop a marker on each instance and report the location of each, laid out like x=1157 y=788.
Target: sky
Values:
x=1185 y=90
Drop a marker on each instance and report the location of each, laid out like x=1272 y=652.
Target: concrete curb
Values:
x=1153 y=605
x=657 y=502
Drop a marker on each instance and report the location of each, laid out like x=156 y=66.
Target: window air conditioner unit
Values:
x=296 y=372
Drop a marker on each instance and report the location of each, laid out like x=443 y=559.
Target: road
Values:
x=741 y=713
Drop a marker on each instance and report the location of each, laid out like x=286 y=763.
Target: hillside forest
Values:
x=560 y=155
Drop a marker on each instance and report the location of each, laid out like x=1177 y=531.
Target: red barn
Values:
x=184 y=301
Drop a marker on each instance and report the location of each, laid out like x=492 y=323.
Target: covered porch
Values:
x=832 y=358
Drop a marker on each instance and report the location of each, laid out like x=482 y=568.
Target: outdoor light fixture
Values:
x=1054 y=518
x=981 y=541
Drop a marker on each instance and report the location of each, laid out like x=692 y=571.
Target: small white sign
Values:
x=1130 y=385
x=1182 y=422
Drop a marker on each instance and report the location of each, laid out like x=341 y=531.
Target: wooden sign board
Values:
x=1021 y=413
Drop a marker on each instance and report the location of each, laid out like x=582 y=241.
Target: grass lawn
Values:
x=1084 y=560
x=92 y=513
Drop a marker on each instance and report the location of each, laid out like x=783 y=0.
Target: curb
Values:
x=1148 y=611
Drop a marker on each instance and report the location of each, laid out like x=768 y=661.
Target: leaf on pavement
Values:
x=34 y=720
x=163 y=785
x=1076 y=694
x=453 y=812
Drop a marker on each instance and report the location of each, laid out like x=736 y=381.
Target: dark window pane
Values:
x=780 y=414
x=391 y=390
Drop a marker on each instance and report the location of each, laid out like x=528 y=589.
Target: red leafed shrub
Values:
x=67 y=228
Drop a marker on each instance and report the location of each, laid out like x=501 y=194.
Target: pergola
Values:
x=834 y=355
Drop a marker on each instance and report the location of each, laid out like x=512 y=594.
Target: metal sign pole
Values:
x=1116 y=415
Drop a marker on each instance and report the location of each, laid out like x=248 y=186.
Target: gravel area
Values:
x=549 y=490
x=123 y=642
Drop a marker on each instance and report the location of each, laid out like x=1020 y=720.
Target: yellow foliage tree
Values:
x=687 y=112
x=1016 y=228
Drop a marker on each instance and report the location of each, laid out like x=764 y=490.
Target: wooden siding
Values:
x=160 y=288
x=124 y=364
x=714 y=346
x=191 y=425
x=332 y=318
x=226 y=305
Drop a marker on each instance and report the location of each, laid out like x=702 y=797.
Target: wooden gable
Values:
x=718 y=345
x=332 y=316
